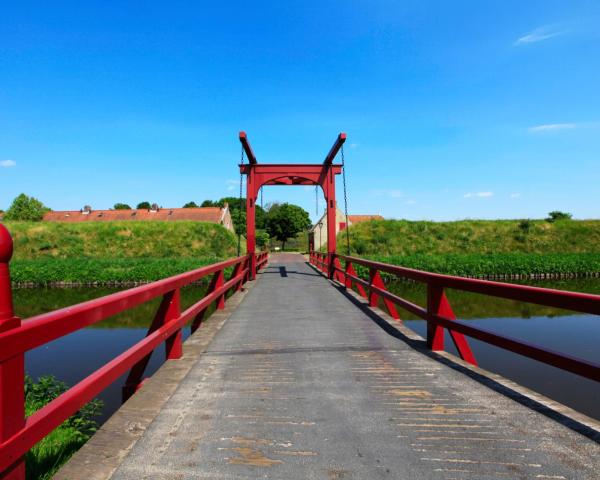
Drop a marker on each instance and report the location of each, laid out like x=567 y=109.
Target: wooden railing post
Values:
x=12 y=370
x=174 y=344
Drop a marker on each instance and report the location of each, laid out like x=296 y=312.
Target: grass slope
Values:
x=402 y=237
x=107 y=240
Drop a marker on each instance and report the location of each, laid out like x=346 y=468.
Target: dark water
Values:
x=75 y=356
x=560 y=330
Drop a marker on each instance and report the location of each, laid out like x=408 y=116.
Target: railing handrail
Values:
x=17 y=433
x=46 y=327
x=439 y=315
x=569 y=300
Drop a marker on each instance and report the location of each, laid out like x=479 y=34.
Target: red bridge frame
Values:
x=258 y=175
x=17 y=433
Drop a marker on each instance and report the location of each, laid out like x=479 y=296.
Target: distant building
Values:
x=317 y=235
x=222 y=216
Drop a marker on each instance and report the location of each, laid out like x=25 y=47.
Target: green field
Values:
x=107 y=240
x=402 y=237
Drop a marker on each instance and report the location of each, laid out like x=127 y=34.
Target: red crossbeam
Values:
x=247 y=148
x=339 y=141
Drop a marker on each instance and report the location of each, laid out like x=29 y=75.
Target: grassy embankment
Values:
x=124 y=252
x=46 y=457
x=484 y=248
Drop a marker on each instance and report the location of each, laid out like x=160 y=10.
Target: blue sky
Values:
x=462 y=109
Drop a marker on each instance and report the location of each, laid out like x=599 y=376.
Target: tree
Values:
x=556 y=215
x=143 y=206
x=190 y=205
x=238 y=218
x=26 y=208
x=262 y=238
x=121 y=206
x=285 y=221
x=209 y=203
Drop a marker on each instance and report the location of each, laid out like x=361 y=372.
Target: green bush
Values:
x=121 y=206
x=479 y=265
x=26 y=208
x=556 y=215
x=46 y=457
x=96 y=270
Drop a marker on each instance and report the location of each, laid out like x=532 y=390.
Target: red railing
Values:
x=439 y=315
x=17 y=433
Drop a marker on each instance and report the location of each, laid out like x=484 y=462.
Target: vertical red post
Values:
x=12 y=370
x=174 y=344
x=250 y=220
x=219 y=283
x=329 y=189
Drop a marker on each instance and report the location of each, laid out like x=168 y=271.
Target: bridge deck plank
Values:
x=300 y=383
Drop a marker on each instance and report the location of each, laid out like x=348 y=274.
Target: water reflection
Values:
x=75 y=356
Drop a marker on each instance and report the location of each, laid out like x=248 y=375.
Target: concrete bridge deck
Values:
x=301 y=383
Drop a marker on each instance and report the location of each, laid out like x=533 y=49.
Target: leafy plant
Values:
x=26 y=208
x=525 y=225
x=46 y=457
x=121 y=206
x=190 y=205
x=557 y=215
x=285 y=221
x=143 y=206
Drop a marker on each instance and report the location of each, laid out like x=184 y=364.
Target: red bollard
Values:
x=12 y=370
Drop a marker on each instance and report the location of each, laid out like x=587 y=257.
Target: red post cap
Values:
x=6 y=245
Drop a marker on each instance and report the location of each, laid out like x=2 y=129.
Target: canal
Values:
x=75 y=356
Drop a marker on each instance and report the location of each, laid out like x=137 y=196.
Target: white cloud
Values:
x=411 y=202
x=353 y=145
x=479 y=194
x=515 y=195
x=539 y=34
x=7 y=163
x=552 y=127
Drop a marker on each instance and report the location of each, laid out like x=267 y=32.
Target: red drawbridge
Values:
x=318 y=298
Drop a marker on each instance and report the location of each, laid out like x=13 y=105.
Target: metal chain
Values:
x=241 y=206
x=345 y=203
x=317 y=201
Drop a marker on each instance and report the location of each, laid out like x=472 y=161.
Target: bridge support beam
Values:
x=258 y=175
x=12 y=370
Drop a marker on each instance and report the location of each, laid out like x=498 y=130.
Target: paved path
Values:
x=301 y=384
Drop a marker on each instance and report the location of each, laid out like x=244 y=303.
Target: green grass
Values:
x=50 y=453
x=35 y=240
x=402 y=237
x=491 y=265
x=46 y=271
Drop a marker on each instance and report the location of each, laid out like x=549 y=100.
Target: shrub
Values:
x=190 y=205
x=46 y=457
x=121 y=206
x=143 y=206
x=26 y=209
x=557 y=215
x=525 y=225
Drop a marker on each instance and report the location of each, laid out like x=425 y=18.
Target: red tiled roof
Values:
x=201 y=214
x=363 y=218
